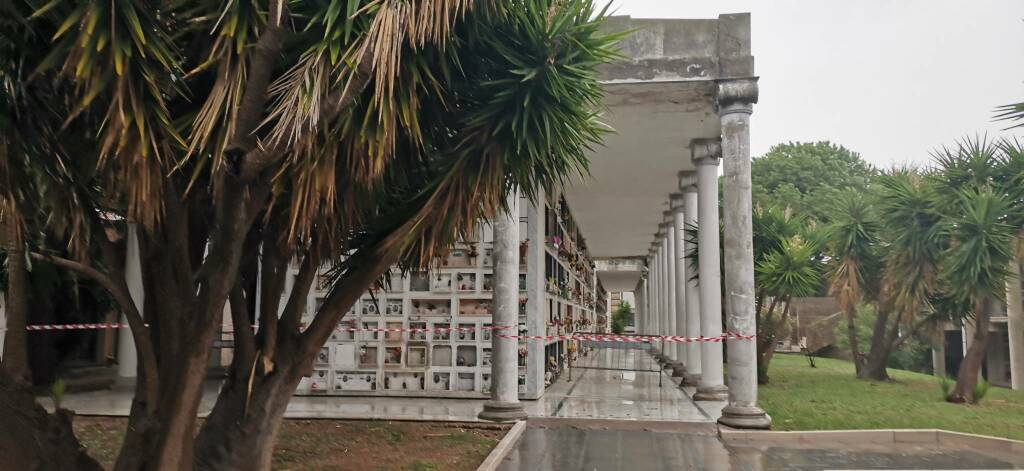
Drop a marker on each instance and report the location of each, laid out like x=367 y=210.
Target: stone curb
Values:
x=503 y=448
x=877 y=437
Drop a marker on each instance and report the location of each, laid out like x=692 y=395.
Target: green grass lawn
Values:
x=830 y=398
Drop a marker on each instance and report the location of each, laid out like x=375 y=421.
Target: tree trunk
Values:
x=241 y=431
x=878 y=356
x=764 y=358
x=970 y=369
x=15 y=354
x=31 y=439
x=851 y=335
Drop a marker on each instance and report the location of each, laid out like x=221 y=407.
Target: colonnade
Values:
x=673 y=303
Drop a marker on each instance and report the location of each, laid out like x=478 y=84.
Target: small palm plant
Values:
x=790 y=271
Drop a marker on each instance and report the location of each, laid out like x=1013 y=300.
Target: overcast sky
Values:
x=891 y=79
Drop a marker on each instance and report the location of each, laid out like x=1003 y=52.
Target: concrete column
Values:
x=655 y=292
x=666 y=316
x=641 y=308
x=3 y=325
x=651 y=323
x=687 y=183
x=1015 y=326
x=504 y=405
x=127 y=356
x=735 y=104
x=670 y=290
x=679 y=282
x=706 y=154
x=536 y=302
x=939 y=353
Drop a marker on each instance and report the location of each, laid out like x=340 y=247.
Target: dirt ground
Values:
x=341 y=444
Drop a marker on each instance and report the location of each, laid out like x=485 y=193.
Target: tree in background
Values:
x=788 y=265
x=852 y=246
x=342 y=133
x=806 y=176
x=976 y=191
x=622 y=317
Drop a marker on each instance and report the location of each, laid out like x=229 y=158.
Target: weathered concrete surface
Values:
x=504 y=404
x=736 y=99
x=682 y=49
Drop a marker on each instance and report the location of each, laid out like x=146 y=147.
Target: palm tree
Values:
x=974 y=270
x=912 y=238
x=354 y=134
x=791 y=270
x=853 y=249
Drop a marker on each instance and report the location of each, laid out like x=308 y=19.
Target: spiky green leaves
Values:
x=791 y=270
x=975 y=264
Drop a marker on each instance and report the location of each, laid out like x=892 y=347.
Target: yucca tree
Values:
x=343 y=133
x=912 y=238
x=787 y=259
x=791 y=268
x=975 y=270
x=853 y=236
x=975 y=190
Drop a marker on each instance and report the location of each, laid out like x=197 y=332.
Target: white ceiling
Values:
x=620 y=206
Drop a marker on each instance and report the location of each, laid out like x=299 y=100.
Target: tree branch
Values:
x=139 y=330
x=343 y=295
x=297 y=299
x=245 y=341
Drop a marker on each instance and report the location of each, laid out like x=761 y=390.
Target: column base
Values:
x=678 y=369
x=690 y=380
x=712 y=393
x=748 y=417
x=497 y=411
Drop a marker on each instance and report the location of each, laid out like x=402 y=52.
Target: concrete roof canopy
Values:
x=659 y=98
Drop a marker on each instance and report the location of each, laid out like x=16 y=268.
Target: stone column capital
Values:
x=706 y=151
x=736 y=95
x=666 y=217
x=675 y=201
x=687 y=179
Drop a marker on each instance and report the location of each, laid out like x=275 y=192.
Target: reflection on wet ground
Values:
x=571 y=448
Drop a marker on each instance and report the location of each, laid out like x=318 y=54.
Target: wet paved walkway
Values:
x=597 y=391
x=573 y=448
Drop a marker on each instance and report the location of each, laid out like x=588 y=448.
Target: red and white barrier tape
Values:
x=628 y=338
x=591 y=337
x=99 y=326
x=76 y=326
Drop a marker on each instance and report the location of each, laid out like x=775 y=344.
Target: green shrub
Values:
x=980 y=390
x=57 y=391
x=946 y=385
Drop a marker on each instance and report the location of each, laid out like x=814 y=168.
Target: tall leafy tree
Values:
x=343 y=133
x=805 y=176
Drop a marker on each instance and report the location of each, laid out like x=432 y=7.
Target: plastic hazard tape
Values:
x=43 y=327
x=420 y=329
x=625 y=338
x=76 y=326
